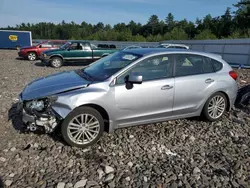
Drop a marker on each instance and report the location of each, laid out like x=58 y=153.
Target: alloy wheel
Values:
x=32 y=56
x=56 y=63
x=83 y=129
x=216 y=106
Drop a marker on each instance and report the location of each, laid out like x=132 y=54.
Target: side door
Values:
x=87 y=54
x=74 y=53
x=150 y=101
x=195 y=80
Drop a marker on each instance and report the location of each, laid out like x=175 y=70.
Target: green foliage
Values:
x=205 y=34
x=229 y=25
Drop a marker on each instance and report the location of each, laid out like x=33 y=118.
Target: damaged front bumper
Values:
x=45 y=123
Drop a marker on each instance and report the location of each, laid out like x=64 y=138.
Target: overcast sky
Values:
x=14 y=12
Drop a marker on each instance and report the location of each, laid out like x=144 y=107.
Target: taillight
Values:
x=233 y=74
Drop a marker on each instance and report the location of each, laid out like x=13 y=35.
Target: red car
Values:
x=33 y=52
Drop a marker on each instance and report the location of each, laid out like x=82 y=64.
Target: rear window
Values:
x=217 y=65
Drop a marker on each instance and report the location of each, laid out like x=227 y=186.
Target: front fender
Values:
x=68 y=101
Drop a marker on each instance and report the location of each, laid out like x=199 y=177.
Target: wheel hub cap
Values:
x=216 y=106
x=83 y=129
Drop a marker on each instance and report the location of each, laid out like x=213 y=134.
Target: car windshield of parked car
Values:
x=109 y=65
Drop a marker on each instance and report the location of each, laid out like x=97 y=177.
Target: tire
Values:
x=67 y=129
x=56 y=62
x=32 y=56
x=207 y=110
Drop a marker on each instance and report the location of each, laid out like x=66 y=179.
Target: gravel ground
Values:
x=182 y=153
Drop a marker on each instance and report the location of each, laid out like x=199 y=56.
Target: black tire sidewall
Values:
x=74 y=113
x=53 y=58
x=205 y=109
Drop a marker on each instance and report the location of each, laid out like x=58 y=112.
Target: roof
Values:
x=148 y=51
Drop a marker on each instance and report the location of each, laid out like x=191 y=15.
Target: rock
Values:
x=91 y=184
x=109 y=177
x=61 y=185
x=2 y=159
x=196 y=170
x=131 y=136
x=11 y=175
x=36 y=145
x=112 y=184
x=109 y=169
x=145 y=179
x=192 y=138
x=157 y=170
x=100 y=173
x=130 y=164
x=153 y=148
x=8 y=183
x=127 y=178
x=13 y=149
x=239 y=121
x=81 y=183
x=71 y=163
x=69 y=185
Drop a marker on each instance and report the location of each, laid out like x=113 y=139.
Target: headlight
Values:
x=40 y=105
x=37 y=105
x=44 y=55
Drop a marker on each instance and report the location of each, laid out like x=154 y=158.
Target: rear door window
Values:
x=189 y=64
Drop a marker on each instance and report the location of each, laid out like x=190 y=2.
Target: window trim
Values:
x=202 y=56
x=127 y=70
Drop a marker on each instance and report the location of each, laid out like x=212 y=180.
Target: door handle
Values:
x=209 y=80
x=166 y=87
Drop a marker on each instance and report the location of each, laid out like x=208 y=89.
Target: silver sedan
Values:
x=127 y=88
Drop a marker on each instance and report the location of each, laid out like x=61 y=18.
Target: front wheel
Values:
x=56 y=62
x=215 y=107
x=82 y=127
x=32 y=56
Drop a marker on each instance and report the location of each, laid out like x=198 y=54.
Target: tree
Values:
x=170 y=21
x=153 y=22
x=242 y=15
x=205 y=34
x=176 y=34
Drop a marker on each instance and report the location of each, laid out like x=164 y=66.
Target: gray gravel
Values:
x=181 y=153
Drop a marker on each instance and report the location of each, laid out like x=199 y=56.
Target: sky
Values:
x=14 y=12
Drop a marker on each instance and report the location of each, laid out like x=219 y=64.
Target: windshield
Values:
x=109 y=65
x=65 y=46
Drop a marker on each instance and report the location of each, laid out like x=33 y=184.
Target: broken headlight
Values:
x=37 y=105
x=40 y=105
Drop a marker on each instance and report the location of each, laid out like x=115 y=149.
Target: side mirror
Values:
x=135 y=78
x=40 y=46
x=132 y=79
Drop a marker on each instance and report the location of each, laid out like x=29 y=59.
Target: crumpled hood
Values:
x=53 y=84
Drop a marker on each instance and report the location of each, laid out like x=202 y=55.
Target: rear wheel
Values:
x=56 y=62
x=83 y=127
x=32 y=56
x=215 y=107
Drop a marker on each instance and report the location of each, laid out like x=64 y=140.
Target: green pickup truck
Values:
x=74 y=51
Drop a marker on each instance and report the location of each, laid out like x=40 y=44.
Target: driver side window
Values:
x=76 y=46
x=153 y=68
